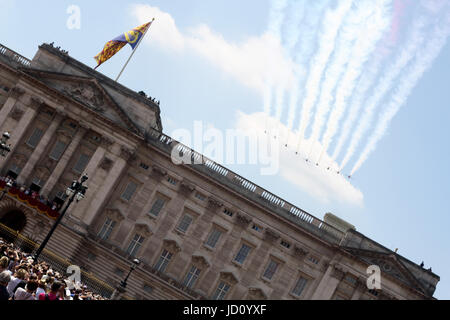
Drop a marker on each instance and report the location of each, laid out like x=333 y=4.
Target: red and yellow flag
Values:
x=112 y=47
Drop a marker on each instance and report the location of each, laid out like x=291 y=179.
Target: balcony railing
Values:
x=14 y=56
x=28 y=200
x=248 y=188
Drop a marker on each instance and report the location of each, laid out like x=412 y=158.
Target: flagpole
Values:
x=131 y=56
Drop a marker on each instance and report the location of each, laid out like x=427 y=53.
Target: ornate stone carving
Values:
x=115 y=214
x=186 y=188
x=17 y=114
x=143 y=229
x=257 y=294
x=300 y=253
x=171 y=245
x=243 y=220
x=106 y=142
x=106 y=164
x=16 y=92
x=271 y=236
x=36 y=103
x=229 y=277
x=158 y=173
x=337 y=272
x=84 y=125
x=200 y=261
x=127 y=154
x=214 y=204
x=87 y=94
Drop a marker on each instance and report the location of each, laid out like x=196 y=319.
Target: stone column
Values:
x=328 y=284
x=78 y=210
x=37 y=153
x=99 y=198
x=22 y=126
x=361 y=286
x=10 y=103
x=62 y=164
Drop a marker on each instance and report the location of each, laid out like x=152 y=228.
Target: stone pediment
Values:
x=88 y=92
x=389 y=264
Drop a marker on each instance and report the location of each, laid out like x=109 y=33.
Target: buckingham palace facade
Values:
x=200 y=231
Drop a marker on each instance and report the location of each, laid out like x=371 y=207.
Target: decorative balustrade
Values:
x=187 y=153
x=14 y=56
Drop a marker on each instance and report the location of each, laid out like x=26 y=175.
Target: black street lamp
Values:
x=75 y=191
x=4 y=148
x=123 y=284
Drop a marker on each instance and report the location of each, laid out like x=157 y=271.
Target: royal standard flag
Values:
x=112 y=47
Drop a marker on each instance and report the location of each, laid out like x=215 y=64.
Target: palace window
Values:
x=299 y=286
x=135 y=245
x=129 y=191
x=242 y=254
x=106 y=229
x=270 y=270
x=157 y=206
x=35 y=138
x=57 y=150
x=163 y=261
x=81 y=163
x=185 y=223
x=191 y=277
x=221 y=291
x=213 y=238
x=285 y=244
x=200 y=196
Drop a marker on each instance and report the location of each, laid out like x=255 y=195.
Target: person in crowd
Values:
x=42 y=289
x=19 y=279
x=28 y=293
x=5 y=277
x=53 y=294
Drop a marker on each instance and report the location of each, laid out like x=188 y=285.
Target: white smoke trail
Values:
x=276 y=18
x=355 y=21
x=366 y=43
x=331 y=25
x=304 y=51
x=415 y=41
x=367 y=79
x=423 y=61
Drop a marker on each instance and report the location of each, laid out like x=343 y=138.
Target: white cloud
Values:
x=251 y=62
x=320 y=183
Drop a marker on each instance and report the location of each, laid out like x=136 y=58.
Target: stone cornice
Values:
x=271 y=236
x=243 y=220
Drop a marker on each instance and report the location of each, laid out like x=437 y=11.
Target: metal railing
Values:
x=14 y=56
x=167 y=144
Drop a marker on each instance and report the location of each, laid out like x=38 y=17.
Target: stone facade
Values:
x=201 y=231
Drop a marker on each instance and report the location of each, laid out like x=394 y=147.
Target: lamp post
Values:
x=4 y=148
x=123 y=284
x=75 y=191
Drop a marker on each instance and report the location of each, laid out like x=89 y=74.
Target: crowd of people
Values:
x=22 y=278
x=33 y=194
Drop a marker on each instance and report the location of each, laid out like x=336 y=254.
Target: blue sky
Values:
x=402 y=187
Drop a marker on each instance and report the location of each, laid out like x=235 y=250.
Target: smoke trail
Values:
x=358 y=98
x=415 y=41
x=423 y=61
x=366 y=43
x=276 y=18
x=305 y=49
x=331 y=25
x=354 y=21
x=370 y=75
